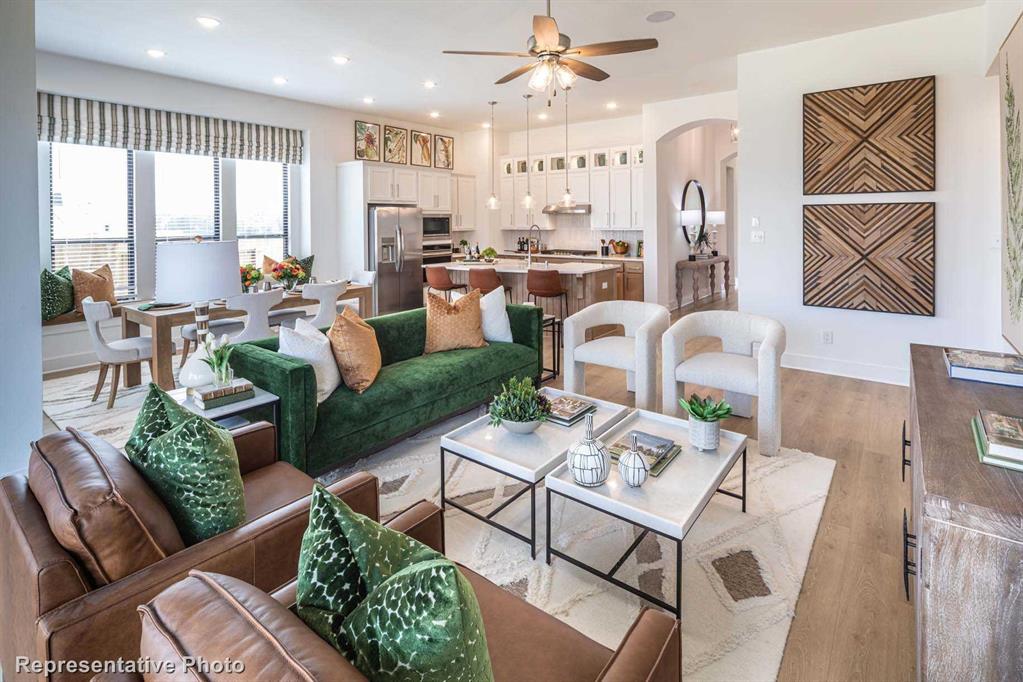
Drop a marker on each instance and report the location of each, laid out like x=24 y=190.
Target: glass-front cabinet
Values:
x=556 y=163
x=521 y=166
x=578 y=161
x=600 y=159
x=637 y=155
x=507 y=168
x=538 y=165
x=620 y=156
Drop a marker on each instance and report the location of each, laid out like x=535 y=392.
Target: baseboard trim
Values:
x=884 y=374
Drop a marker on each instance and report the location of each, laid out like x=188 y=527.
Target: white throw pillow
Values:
x=496 y=325
x=308 y=343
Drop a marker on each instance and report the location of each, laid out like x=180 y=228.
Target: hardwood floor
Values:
x=852 y=621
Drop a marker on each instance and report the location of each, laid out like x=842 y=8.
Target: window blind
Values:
x=187 y=197
x=262 y=210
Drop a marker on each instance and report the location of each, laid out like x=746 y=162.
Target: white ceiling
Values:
x=395 y=45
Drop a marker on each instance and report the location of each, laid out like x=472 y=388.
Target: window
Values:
x=187 y=196
x=92 y=212
x=261 y=191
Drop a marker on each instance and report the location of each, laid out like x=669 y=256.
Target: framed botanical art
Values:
x=395 y=144
x=1010 y=79
x=367 y=141
x=870 y=138
x=422 y=149
x=443 y=152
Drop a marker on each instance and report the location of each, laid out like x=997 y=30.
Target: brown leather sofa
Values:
x=85 y=541
x=242 y=623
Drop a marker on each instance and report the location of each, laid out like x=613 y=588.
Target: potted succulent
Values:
x=519 y=407
x=489 y=254
x=705 y=425
x=218 y=353
x=251 y=276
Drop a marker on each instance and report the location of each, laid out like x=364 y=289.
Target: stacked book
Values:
x=999 y=439
x=211 y=396
x=568 y=411
x=658 y=452
x=980 y=365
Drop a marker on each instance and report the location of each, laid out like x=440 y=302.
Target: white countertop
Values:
x=518 y=266
x=630 y=259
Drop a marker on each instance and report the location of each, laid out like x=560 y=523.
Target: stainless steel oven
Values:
x=436 y=227
x=436 y=251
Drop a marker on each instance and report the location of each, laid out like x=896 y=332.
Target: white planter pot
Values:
x=704 y=435
x=521 y=428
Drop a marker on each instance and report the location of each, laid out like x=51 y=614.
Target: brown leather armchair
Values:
x=525 y=643
x=52 y=604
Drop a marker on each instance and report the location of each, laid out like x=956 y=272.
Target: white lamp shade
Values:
x=715 y=217
x=692 y=216
x=187 y=272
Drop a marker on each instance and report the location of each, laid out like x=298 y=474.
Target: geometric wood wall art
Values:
x=872 y=138
x=877 y=257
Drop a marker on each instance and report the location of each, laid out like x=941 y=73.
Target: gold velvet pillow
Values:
x=453 y=325
x=355 y=348
x=99 y=284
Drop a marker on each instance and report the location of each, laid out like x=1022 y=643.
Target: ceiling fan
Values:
x=553 y=59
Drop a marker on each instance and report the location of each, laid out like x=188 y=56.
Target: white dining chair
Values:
x=327 y=294
x=749 y=365
x=364 y=277
x=113 y=353
x=636 y=352
x=257 y=313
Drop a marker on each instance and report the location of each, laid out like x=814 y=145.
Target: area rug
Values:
x=741 y=573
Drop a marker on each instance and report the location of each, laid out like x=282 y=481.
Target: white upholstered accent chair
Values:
x=113 y=353
x=636 y=352
x=366 y=277
x=749 y=365
x=257 y=313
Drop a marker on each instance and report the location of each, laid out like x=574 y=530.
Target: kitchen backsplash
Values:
x=573 y=232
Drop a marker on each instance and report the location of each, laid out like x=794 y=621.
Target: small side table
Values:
x=555 y=325
x=225 y=414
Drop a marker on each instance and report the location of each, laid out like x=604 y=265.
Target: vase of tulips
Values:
x=289 y=273
x=218 y=355
x=251 y=277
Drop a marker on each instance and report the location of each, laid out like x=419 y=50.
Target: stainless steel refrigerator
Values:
x=396 y=253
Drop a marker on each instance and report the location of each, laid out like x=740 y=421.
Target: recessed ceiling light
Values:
x=209 y=23
x=280 y=80
x=485 y=125
x=155 y=53
x=660 y=16
x=341 y=59
x=429 y=85
x=434 y=114
x=367 y=100
x=542 y=116
x=611 y=105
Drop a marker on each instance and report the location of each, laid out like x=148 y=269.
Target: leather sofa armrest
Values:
x=651 y=651
x=117 y=677
x=423 y=521
x=256 y=445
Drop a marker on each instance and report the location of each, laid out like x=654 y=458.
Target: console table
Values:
x=696 y=266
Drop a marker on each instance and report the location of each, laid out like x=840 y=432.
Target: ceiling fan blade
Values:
x=585 y=70
x=613 y=47
x=516 y=73
x=545 y=31
x=488 y=54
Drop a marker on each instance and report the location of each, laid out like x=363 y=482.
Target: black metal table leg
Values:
x=532 y=521
x=548 y=536
x=744 y=480
x=678 y=579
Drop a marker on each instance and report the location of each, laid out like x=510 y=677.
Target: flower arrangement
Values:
x=251 y=275
x=705 y=409
x=289 y=272
x=519 y=402
x=218 y=353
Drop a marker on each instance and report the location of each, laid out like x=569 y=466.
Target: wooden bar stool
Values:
x=547 y=284
x=486 y=280
x=437 y=277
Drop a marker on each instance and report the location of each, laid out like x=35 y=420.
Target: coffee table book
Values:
x=569 y=410
x=985 y=366
x=1003 y=434
x=984 y=455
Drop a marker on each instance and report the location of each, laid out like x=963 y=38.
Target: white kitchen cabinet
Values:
x=600 y=199
x=637 y=155
x=637 y=196
x=444 y=192
x=384 y=184
x=535 y=215
x=556 y=183
x=579 y=183
x=506 y=193
x=406 y=185
x=435 y=192
x=520 y=214
x=621 y=156
x=621 y=197
x=464 y=212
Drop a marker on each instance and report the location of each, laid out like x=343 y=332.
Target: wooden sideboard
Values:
x=964 y=536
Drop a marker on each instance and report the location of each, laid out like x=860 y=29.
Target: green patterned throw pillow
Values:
x=422 y=623
x=56 y=293
x=191 y=464
x=344 y=557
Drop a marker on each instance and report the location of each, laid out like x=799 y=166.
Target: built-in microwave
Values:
x=437 y=227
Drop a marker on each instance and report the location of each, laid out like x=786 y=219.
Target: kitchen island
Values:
x=585 y=282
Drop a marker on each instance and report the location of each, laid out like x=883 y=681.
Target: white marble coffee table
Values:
x=667 y=505
x=525 y=458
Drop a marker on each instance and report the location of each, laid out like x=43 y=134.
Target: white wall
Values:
x=21 y=368
x=999 y=18
x=771 y=84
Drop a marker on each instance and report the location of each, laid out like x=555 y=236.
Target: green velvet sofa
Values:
x=412 y=390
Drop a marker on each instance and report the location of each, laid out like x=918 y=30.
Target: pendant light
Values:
x=567 y=200
x=493 y=203
x=527 y=201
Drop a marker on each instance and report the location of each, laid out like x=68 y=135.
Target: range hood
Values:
x=578 y=209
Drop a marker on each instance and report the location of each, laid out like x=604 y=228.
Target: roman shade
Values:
x=77 y=120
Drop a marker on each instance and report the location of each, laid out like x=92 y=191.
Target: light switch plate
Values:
x=756 y=236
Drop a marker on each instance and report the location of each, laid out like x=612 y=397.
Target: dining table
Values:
x=162 y=320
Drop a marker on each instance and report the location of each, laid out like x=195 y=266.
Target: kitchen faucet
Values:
x=529 y=247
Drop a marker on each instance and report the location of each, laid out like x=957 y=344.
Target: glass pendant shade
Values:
x=527 y=201
x=493 y=203
x=566 y=76
x=567 y=200
x=541 y=76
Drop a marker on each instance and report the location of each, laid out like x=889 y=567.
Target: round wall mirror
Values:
x=694 y=211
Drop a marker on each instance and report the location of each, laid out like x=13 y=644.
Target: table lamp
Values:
x=196 y=272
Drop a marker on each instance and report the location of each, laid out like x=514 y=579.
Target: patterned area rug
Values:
x=741 y=573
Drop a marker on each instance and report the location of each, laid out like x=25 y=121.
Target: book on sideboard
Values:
x=986 y=366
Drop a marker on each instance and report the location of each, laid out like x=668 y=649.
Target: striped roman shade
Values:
x=84 y=121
